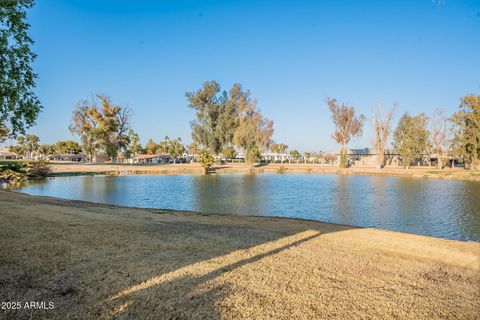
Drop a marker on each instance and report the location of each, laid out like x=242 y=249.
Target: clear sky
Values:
x=291 y=55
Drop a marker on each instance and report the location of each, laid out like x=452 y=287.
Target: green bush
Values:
x=17 y=171
x=206 y=160
x=39 y=168
x=13 y=171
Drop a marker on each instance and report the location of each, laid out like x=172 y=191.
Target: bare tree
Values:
x=440 y=138
x=382 y=129
x=347 y=124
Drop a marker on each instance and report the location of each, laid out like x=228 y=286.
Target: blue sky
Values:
x=291 y=55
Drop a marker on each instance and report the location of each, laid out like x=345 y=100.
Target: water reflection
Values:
x=238 y=194
x=344 y=202
x=441 y=208
x=380 y=197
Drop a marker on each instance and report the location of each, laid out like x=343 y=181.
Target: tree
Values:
x=104 y=127
x=151 y=147
x=84 y=125
x=27 y=146
x=163 y=145
x=113 y=126
x=134 y=146
x=229 y=152
x=295 y=154
x=206 y=160
x=66 y=147
x=193 y=149
x=229 y=118
x=19 y=106
x=411 y=137
x=45 y=149
x=466 y=137
x=31 y=145
x=279 y=148
x=347 y=126
x=330 y=157
x=215 y=117
x=456 y=145
x=175 y=148
x=254 y=132
x=224 y=119
x=306 y=156
x=382 y=130
x=20 y=148
x=4 y=133
x=440 y=138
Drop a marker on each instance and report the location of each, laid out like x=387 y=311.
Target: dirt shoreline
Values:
x=173 y=169
x=96 y=261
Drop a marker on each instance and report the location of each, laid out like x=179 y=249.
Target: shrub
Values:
x=13 y=171
x=206 y=160
x=282 y=169
x=17 y=171
x=39 y=168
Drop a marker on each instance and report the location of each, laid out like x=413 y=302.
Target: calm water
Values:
x=441 y=208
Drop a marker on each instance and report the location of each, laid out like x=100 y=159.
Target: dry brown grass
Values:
x=415 y=172
x=105 y=262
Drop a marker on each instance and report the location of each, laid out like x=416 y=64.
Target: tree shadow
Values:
x=105 y=262
x=261 y=164
x=189 y=290
x=215 y=168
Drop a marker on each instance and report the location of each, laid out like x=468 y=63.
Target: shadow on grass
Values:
x=187 y=292
x=101 y=261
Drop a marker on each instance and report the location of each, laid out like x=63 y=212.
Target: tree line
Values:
x=224 y=123
x=415 y=136
x=228 y=122
x=29 y=146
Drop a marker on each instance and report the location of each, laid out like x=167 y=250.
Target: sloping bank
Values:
x=187 y=168
x=97 y=261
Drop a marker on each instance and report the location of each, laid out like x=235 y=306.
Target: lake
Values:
x=440 y=208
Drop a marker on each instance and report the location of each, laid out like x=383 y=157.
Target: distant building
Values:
x=360 y=152
x=276 y=157
x=6 y=154
x=363 y=157
x=99 y=157
x=66 y=157
x=150 y=158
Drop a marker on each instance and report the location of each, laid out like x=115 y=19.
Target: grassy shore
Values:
x=125 y=169
x=105 y=262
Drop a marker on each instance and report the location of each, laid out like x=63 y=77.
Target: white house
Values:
x=150 y=158
x=276 y=157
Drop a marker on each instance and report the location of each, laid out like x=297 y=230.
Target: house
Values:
x=99 y=157
x=66 y=157
x=6 y=154
x=363 y=157
x=150 y=158
x=359 y=152
x=276 y=157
